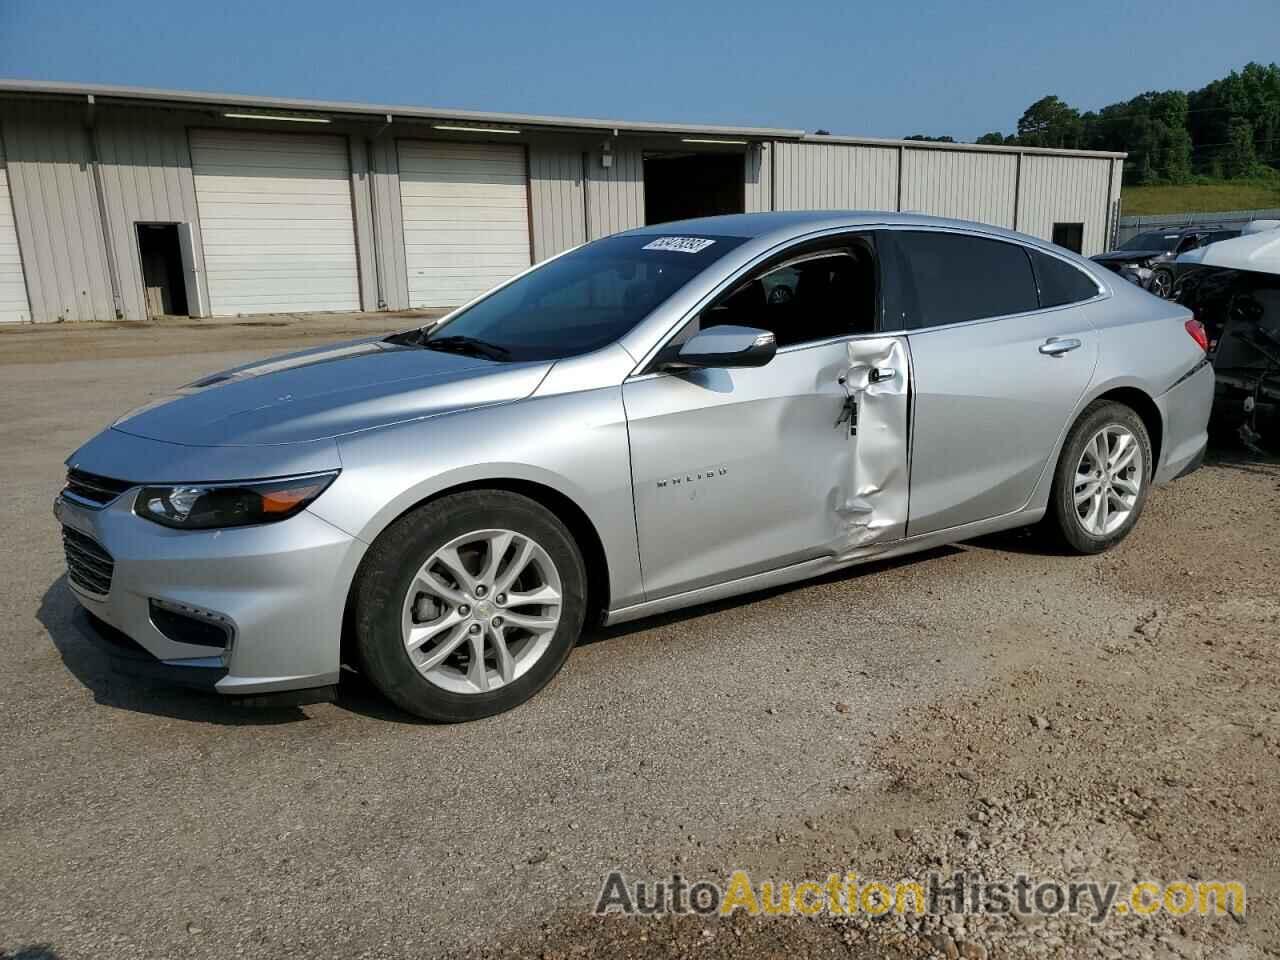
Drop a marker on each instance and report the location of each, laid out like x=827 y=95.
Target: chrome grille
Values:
x=93 y=488
x=89 y=566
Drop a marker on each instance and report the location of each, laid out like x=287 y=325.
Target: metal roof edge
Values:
x=196 y=98
x=352 y=108
x=966 y=147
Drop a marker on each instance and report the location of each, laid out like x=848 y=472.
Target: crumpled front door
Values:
x=876 y=420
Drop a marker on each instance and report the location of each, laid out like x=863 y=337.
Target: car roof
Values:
x=780 y=226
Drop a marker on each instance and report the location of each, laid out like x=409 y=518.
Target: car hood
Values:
x=1124 y=256
x=328 y=392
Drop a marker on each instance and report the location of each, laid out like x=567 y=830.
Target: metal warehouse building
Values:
x=118 y=202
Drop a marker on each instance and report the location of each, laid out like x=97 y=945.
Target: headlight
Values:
x=209 y=505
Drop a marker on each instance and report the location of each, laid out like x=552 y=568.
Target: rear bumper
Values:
x=276 y=593
x=1184 y=412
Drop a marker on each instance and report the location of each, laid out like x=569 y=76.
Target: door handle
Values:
x=882 y=374
x=1057 y=346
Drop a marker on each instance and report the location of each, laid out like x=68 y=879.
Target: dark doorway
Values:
x=164 y=290
x=1069 y=235
x=679 y=186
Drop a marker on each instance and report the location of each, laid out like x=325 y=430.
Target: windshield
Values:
x=1151 y=241
x=584 y=300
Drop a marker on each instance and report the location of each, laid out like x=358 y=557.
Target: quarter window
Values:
x=958 y=277
x=1060 y=282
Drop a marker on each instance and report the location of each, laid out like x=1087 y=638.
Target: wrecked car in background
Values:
x=1147 y=259
x=1234 y=290
x=637 y=425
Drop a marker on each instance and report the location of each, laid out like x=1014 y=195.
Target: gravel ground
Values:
x=988 y=707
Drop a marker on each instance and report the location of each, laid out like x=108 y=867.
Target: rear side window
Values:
x=957 y=277
x=1060 y=282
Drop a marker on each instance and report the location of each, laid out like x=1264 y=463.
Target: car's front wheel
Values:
x=467 y=606
x=1161 y=283
x=1102 y=479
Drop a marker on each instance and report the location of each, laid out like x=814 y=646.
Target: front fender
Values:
x=575 y=444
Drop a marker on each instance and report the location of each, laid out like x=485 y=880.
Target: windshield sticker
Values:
x=679 y=244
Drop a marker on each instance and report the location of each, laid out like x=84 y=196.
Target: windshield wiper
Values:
x=469 y=346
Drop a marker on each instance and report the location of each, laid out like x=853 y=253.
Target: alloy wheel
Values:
x=481 y=611
x=1108 y=479
x=1161 y=284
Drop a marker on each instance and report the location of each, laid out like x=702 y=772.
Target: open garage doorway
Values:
x=678 y=186
x=164 y=285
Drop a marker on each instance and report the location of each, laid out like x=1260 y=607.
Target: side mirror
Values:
x=726 y=346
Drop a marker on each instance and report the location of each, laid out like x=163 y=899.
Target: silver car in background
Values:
x=664 y=417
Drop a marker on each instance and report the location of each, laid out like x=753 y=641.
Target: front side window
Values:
x=1191 y=242
x=584 y=300
x=958 y=277
x=1060 y=282
x=810 y=294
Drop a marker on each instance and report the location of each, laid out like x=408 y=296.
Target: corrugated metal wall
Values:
x=615 y=195
x=757 y=177
x=388 y=228
x=1065 y=190
x=557 y=199
x=146 y=176
x=362 y=208
x=56 y=212
x=835 y=176
x=968 y=186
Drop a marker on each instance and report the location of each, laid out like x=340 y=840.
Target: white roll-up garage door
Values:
x=275 y=218
x=13 y=289
x=466 y=218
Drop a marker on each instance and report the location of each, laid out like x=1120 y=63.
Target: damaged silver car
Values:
x=661 y=418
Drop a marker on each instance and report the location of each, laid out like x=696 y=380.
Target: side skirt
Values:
x=807 y=569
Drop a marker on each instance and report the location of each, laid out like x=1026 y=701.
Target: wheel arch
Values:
x=594 y=556
x=1131 y=395
x=1145 y=407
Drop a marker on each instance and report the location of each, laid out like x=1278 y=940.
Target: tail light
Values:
x=1198 y=333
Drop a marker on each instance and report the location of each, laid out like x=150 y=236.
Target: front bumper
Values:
x=276 y=593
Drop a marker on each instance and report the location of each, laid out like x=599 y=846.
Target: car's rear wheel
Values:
x=1102 y=479
x=468 y=605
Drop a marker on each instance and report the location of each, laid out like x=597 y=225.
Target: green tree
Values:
x=1049 y=122
x=1250 y=97
x=1238 y=154
x=1225 y=129
x=995 y=138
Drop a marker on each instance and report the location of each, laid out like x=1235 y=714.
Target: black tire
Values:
x=1062 y=519
x=393 y=560
x=1161 y=283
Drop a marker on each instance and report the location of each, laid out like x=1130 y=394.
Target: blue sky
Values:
x=888 y=68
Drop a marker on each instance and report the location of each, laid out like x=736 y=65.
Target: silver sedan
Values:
x=661 y=418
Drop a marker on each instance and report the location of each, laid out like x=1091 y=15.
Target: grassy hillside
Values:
x=1201 y=197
